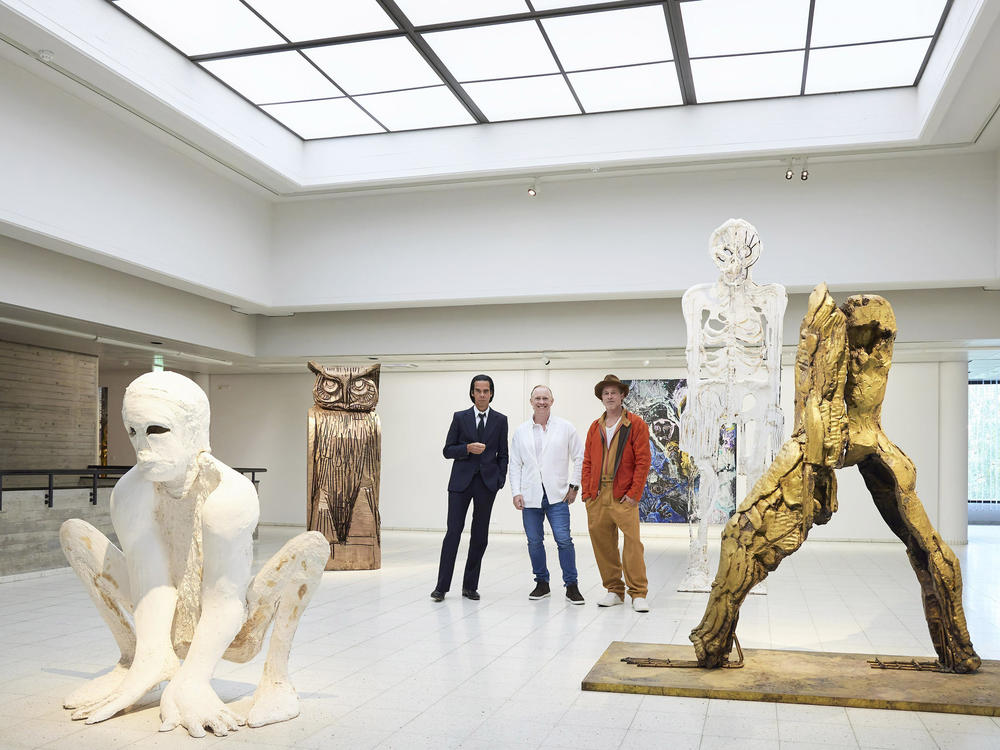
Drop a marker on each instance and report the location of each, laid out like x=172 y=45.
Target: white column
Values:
x=953 y=452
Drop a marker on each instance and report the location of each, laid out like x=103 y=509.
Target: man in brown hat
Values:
x=616 y=461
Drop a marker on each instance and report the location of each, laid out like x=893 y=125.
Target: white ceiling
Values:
x=92 y=48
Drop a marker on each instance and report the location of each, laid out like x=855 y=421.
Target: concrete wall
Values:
x=48 y=409
x=29 y=531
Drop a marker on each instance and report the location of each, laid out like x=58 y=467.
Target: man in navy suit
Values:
x=477 y=441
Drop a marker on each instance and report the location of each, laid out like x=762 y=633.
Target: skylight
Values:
x=334 y=68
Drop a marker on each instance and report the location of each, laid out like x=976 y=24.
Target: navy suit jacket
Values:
x=491 y=464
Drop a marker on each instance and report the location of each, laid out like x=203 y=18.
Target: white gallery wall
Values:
x=915 y=221
x=260 y=420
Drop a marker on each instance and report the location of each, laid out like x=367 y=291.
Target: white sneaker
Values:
x=639 y=604
x=610 y=599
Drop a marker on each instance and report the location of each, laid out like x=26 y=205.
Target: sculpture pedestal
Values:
x=825 y=679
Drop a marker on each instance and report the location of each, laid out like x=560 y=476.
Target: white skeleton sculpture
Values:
x=734 y=370
x=180 y=587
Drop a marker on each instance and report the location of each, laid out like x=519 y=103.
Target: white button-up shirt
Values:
x=557 y=463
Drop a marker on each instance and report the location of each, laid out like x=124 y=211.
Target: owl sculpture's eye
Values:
x=362 y=385
x=331 y=386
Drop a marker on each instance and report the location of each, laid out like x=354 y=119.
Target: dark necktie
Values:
x=481 y=429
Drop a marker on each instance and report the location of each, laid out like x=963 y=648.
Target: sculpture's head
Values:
x=734 y=247
x=166 y=416
x=346 y=388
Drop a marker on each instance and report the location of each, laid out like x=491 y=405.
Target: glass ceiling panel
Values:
x=425 y=12
x=731 y=27
x=627 y=88
x=417 y=108
x=301 y=20
x=554 y=4
x=328 y=118
x=718 y=79
x=523 y=98
x=853 y=21
x=497 y=51
x=611 y=59
x=616 y=37
x=375 y=66
x=196 y=27
x=868 y=66
x=274 y=77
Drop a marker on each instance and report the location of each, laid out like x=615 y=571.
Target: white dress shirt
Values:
x=560 y=446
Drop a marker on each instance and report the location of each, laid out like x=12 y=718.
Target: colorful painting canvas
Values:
x=672 y=476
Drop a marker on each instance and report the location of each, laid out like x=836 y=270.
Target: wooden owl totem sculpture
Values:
x=345 y=460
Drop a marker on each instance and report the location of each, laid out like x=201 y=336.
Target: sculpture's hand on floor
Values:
x=141 y=678
x=196 y=707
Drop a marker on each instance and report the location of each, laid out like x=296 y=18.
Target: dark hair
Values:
x=477 y=379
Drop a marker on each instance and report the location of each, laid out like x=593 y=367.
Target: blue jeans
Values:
x=558 y=515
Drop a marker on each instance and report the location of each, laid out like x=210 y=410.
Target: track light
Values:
x=533 y=189
x=802 y=162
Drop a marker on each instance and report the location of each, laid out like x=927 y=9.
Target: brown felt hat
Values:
x=610 y=380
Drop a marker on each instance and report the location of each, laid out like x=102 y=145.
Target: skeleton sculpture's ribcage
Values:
x=345 y=463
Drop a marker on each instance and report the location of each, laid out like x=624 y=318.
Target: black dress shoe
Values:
x=471 y=594
x=437 y=595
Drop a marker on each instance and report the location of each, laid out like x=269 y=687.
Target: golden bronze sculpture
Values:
x=344 y=464
x=841 y=371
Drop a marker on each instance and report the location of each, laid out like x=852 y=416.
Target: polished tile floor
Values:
x=378 y=664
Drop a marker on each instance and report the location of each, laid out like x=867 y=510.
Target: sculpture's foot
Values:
x=273 y=701
x=709 y=653
x=97 y=689
x=963 y=661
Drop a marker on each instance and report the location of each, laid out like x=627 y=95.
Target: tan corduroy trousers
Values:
x=605 y=516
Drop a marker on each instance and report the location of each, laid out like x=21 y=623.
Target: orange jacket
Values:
x=631 y=463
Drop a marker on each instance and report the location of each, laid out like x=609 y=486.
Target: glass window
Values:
x=523 y=98
x=854 y=21
x=417 y=108
x=301 y=20
x=327 y=118
x=378 y=65
x=604 y=40
x=197 y=27
x=425 y=12
x=498 y=51
x=732 y=27
x=984 y=442
x=866 y=66
x=719 y=79
x=274 y=77
x=627 y=88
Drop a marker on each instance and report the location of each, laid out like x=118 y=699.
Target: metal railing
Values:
x=91 y=475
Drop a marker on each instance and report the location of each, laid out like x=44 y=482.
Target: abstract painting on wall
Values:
x=672 y=475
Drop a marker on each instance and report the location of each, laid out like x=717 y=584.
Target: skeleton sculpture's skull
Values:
x=166 y=416
x=734 y=247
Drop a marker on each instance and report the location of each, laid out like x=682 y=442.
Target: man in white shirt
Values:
x=544 y=484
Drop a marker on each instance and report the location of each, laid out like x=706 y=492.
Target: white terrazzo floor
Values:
x=379 y=665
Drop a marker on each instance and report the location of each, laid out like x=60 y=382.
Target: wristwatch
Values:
x=574 y=487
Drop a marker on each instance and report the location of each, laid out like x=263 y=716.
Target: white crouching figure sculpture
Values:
x=734 y=378
x=180 y=588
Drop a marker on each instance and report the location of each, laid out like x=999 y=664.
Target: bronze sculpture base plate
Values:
x=820 y=678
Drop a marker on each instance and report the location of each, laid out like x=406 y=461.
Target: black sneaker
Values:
x=573 y=595
x=541 y=591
